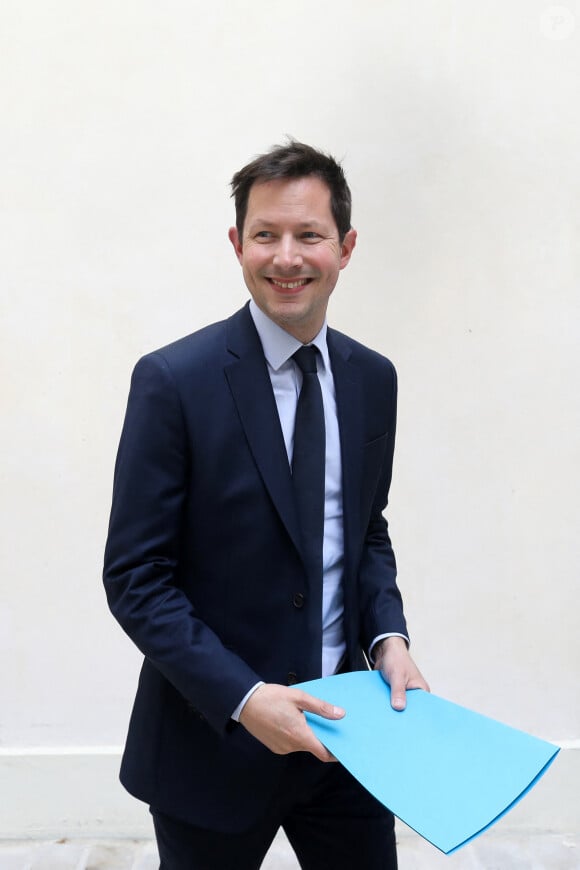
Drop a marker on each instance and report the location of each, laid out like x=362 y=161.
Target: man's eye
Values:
x=310 y=235
x=263 y=234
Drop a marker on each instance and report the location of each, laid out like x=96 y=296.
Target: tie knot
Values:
x=305 y=358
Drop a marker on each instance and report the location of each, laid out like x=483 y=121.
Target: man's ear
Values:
x=237 y=245
x=347 y=247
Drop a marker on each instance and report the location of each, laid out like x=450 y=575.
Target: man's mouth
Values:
x=290 y=285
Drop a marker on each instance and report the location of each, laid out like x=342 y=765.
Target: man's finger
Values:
x=318 y=749
x=418 y=683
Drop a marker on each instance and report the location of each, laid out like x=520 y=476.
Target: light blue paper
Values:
x=445 y=771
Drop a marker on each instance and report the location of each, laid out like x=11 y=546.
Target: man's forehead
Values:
x=307 y=195
x=299 y=186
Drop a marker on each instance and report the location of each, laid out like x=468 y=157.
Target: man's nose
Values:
x=287 y=254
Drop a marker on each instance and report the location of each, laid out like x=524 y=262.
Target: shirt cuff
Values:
x=380 y=637
x=237 y=712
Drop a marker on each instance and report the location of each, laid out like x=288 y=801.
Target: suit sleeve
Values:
x=141 y=567
x=381 y=605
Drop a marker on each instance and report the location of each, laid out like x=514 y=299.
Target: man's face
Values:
x=290 y=252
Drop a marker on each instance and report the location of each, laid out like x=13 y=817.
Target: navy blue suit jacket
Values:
x=203 y=559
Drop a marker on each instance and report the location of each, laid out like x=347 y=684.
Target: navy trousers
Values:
x=330 y=820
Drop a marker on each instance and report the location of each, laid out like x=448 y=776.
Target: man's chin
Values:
x=298 y=320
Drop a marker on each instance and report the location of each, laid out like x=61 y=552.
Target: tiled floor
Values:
x=545 y=852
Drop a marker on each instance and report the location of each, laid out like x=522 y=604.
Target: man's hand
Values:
x=274 y=716
x=398 y=669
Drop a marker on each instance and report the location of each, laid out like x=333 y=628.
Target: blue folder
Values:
x=445 y=771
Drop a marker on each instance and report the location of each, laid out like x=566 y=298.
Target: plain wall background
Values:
x=459 y=127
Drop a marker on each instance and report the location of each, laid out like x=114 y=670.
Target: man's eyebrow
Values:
x=262 y=222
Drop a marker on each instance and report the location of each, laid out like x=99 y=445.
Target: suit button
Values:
x=195 y=712
x=292 y=678
x=298 y=599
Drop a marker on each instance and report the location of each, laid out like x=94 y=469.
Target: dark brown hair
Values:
x=294 y=160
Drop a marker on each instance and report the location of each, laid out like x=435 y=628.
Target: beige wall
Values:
x=459 y=126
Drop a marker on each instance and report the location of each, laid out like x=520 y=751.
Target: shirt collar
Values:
x=278 y=345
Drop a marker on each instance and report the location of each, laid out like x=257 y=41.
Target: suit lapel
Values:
x=251 y=389
x=350 y=411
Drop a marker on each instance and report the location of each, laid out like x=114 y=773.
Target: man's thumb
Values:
x=321 y=708
x=398 y=695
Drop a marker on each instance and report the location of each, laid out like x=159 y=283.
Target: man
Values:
x=247 y=550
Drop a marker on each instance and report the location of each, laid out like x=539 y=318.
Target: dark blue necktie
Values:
x=308 y=465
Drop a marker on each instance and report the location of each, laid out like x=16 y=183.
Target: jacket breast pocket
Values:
x=379 y=442
x=373 y=458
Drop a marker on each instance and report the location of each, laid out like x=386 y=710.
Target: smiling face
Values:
x=291 y=253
